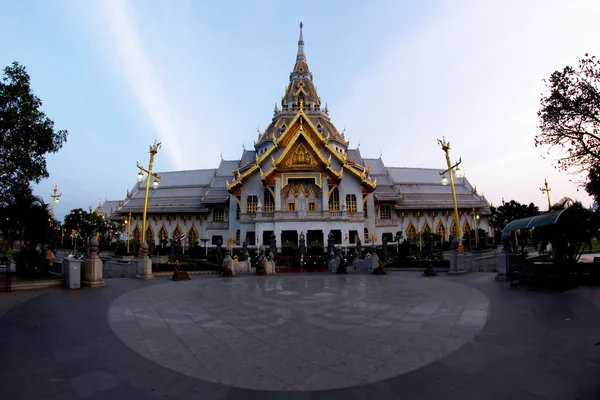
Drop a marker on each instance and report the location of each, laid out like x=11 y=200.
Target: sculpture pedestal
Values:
x=92 y=273
x=503 y=265
x=457 y=264
x=144 y=268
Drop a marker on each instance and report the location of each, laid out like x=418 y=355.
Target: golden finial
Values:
x=326 y=108
x=273 y=160
x=301 y=105
x=256 y=157
x=276 y=109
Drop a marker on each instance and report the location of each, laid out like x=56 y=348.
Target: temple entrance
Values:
x=314 y=242
x=289 y=243
x=266 y=238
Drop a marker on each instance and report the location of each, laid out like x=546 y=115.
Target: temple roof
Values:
x=300 y=93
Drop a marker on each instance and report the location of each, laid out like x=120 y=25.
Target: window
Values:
x=237 y=236
x=269 y=201
x=385 y=212
x=366 y=235
x=351 y=202
x=365 y=213
x=311 y=206
x=334 y=200
x=237 y=210
x=218 y=214
x=411 y=232
x=291 y=206
x=251 y=202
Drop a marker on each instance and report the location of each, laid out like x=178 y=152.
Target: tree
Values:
x=508 y=212
x=26 y=218
x=592 y=186
x=570 y=115
x=26 y=133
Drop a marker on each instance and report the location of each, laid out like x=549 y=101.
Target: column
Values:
x=277 y=193
x=325 y=194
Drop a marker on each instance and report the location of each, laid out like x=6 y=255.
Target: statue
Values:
x=262 y=262
x=179 y=275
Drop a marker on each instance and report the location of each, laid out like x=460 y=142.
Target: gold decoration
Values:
x=302 y=158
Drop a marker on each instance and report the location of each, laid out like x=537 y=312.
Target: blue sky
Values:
x=202 y=77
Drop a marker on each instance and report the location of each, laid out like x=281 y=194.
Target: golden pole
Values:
x=476 y=228
x=547 y=191
x=55 y=198
x=128 y=222
x=446 y=147
x=153 y=150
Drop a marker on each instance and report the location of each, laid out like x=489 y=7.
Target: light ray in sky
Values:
x=144 y=82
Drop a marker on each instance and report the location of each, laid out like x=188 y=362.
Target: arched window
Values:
x=163 y=235
x=176 y=234
x=453 y=229
x=441 y=230
x=351 y=202
x=137 y=233
x=426 y=228
x=192 y=236
x=466 y=227
x=334 y=200
x=312 y=204
x=251 y=203
x=291 y=202
x=269 y=201
x=411 y=232
x=149 y=235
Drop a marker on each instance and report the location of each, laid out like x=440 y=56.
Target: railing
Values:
x=387 y=222
x=217 y=225
x=304 y=214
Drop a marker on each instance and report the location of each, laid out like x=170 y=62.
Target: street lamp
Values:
x=153 y=150
x=55 y=199
x=476 y=225
x=452 y=171
x=128 y=223
x=546 y=190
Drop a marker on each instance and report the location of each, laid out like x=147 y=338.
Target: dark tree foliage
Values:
x=26 y=133
x=592 y=186
x=26 y=218
x=570 y=115
x=510 y=211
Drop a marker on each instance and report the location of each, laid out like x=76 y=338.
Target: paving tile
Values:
x=324 y=379
x=96 y=382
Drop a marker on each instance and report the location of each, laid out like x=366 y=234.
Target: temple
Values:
x=302 y=177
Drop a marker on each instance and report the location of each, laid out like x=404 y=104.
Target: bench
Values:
x=520 y=273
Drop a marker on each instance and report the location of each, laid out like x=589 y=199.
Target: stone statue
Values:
x=262 y=262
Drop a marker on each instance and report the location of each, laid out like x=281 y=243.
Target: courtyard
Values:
x=310 y=336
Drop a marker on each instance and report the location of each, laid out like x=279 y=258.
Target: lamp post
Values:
x=55 y=199
x=546 y=190
x=153 y=150
x=128 y=223
x=452 y=170
x=475 y=224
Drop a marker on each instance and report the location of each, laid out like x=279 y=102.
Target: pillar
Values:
x=277 y=193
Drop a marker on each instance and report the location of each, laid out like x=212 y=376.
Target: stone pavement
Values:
x=316 y=336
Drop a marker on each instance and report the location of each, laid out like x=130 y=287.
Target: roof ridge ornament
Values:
x=301 y=54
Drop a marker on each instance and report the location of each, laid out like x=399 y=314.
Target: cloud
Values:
x=139 y=73
x=474 y=75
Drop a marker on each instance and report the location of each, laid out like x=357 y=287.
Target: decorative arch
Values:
x=453 y=229
x=426 y=228
x=334 y=200
x=163 y=235
x=176 y=233
x=411 y=231
x=149 y=234
x=192 y=236
x=467 y=227
x=441 y=230
x=137 y=233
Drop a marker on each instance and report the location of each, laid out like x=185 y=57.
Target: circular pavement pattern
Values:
x=299 y=332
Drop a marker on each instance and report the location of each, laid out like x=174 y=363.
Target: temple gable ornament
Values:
x=301 y=158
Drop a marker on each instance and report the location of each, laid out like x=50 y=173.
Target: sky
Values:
x=203 y=77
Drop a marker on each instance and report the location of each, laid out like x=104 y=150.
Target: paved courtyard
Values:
x=311 y=336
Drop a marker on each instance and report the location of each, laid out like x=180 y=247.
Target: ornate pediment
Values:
x=301 y=158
